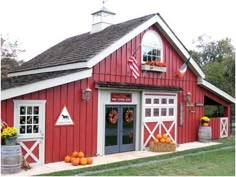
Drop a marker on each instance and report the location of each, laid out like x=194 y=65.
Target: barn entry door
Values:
x=159 y=116
x=120 y=134
x=29 y=119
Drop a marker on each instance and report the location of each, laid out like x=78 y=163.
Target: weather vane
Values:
x=103 y=2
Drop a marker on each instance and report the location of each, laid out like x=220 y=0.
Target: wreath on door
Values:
x=112 y=116
x=129 y=116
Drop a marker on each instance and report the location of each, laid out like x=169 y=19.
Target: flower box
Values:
x=146 y=67
x=162 y=147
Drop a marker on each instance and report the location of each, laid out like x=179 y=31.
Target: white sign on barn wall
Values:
x=64 y=118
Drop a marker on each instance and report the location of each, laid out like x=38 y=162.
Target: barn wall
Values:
x=62 y=140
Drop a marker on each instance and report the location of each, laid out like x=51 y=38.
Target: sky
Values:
x=40 y=24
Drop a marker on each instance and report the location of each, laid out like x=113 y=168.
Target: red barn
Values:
x=86 y=93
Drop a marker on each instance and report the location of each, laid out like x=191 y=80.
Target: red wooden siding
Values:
x=62 y=140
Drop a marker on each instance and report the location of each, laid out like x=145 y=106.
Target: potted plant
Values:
x=204 y=131
x=9 y=134
x=205 y=121
x=154 y=66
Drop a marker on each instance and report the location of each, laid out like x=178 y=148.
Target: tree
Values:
x=9 y=55
x=217 y=59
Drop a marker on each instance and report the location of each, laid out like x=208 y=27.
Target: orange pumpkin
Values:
x=74 y=154
x=80 y=154
x=75 y=161
x=83 y=161
x=163 y=140
x=159 y=136
x=89 y=160
x=156 y=141
x=205 y=124
x=168 y=140
x=165 y=136
x=67 y=158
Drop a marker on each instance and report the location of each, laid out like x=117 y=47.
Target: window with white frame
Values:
x=28 y=116
x=159 y=106
x=152 y=48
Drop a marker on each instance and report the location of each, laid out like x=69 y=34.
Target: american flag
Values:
x=134 y=67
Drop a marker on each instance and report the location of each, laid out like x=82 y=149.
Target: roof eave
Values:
x=215 y=90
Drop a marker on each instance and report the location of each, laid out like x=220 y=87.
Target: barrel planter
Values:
x=10 y=159
x=204 y=134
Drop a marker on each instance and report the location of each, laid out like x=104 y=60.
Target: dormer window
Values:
x=152 y=48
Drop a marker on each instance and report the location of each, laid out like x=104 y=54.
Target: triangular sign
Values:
x=64 y=118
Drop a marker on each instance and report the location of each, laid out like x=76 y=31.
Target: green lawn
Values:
x=217 y=160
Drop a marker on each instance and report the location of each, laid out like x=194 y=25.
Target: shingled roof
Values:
x=81 y=48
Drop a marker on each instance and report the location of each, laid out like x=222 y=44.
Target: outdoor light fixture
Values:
x=86 y=94
x=187 y=97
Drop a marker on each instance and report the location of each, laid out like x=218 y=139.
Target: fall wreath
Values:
x=112 y=116
x=129 y=116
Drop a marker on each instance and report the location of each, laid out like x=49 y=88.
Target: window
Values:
x=152 y=49
x=28 y=116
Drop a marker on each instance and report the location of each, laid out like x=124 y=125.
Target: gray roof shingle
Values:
x=82 y=47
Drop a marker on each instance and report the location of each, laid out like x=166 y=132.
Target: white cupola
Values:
x=102 y=19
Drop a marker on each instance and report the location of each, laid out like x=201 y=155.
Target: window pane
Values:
x=36 y=110
x=36 y=119
x=22 y=129
x=155 y=112
x=147 y=112
x=163 y=101
x=29 y=119
x=163 y=111
x=148 y=101
x=156 y=101
x=29 y=110
x=171 y=101
x=171 y=111
x=36 y=128
x=22 y=119
x=29 y=129
x=22 y=110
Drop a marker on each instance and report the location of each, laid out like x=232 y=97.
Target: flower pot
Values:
x=11 y=141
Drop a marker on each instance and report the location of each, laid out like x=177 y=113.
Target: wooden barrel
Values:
x=10 y=159
x=204 y=134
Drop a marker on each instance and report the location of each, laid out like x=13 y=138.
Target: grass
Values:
x=208 y=161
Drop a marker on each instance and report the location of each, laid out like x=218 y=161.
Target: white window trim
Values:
x=154 y=47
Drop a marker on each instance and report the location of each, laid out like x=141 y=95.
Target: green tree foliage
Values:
x=9 y=56
x=217 y=59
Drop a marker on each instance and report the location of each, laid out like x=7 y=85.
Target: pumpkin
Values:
x=156 y=141
x=74 y=154
x=89 y=160
x=83 y=161
x=168 y=140
x=159 y=136
x=163 y=140
x=80 y=154
x=75 y=161
x=165 y=136
x=205 y=125
x=67 y=158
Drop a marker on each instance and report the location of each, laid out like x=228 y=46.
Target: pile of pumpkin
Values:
x=78 y=158
x=162 y=138
x=162 y=143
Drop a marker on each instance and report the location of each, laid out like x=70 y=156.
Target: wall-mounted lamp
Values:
x=86 y=94
x=187 y=97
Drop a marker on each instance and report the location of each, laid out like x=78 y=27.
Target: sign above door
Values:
x=121 y=97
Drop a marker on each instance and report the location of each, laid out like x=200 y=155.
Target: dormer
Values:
x=102 y=19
